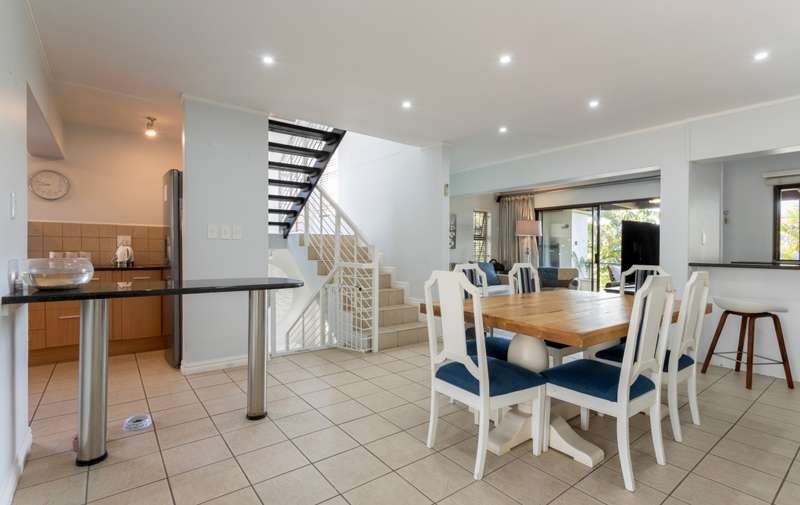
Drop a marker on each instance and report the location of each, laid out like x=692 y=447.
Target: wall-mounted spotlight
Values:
x=150 y=128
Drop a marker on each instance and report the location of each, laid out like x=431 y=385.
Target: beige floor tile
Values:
x=391 y=381
x=767 y=462
x=66 y=491
x=679 y=455
x=370 y=428
x=206 y=380
x=205 y=483
x=234 y=420
x=307 y=386
x=302 y=424
x=326 y=369
x=166 y=388
x=287 y=407
x=351 y=469
x=49 y=468
x=464 y=454
x=381 y=400
x=185 y=433
x=478 y=493
x=763 y=441
x=194 y=455
x=325 y=397
x=56 y=409
x=554 y=463
x=325 y=443
x=778 y=428
x=412 y=392
x=51 y=444
x=736 y=476
x=157 y=493
x=341 y=378
x=359 y=389
x=406 y=416
x=129 y=448
x=525 y=483
x=647 y=471
x=246 y=496
x=275 y=393
x=282 y=457
x=172 y=400
x=178 y=415
x=387 y=490
x=607 y=486
x=289 y=376
x=371 y=371
x=696 y=490
x=345 y=411
x=304 y=486
x=399 y=450
x=254 y=436
x=574 y=497
x=794 y=472
x=218 y=391
x=52 y=425
x=227 y=403
x=436 y=476
x=114 y=479
x=446 y=434
x=789 y=494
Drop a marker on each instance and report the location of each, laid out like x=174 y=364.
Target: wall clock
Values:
x=49 y=184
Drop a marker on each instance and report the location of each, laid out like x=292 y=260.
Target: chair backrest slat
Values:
x=651 y=317
x=475 y=276
x=523 y=278
x=640 y=274
x=690 y=321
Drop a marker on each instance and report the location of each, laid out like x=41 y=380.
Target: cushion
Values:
x=499 y=290
x=504 y=377
x=615 y=354
x=594 y=378
x=496 y=347
x=491 y=275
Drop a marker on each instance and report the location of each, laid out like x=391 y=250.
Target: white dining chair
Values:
x=634 y=387
x=480 y=382
x=524 y=278
x=474 y=275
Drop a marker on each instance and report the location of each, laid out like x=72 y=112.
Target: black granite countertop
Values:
x=136 y=266
x=105 y=290
x=748 y=264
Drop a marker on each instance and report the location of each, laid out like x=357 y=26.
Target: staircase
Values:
x=298 y=154
x=399 y=322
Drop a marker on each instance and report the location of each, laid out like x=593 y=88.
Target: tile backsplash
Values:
x=98 y=239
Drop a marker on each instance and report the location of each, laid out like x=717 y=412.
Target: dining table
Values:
x=588 y=320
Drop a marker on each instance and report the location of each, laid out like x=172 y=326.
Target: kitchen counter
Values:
x=136 y=266
x=747 y=264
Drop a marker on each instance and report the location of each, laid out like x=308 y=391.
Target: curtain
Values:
x=510 y=248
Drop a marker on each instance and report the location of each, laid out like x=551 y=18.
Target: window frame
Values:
x=776 y=222
x=487 y=216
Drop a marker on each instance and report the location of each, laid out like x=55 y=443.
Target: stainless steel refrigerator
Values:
x=172 y=305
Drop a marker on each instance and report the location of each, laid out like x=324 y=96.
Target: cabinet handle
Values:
x=74 y=316
x=142 y=278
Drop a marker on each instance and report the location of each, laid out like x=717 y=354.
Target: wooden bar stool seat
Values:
x=749 y=311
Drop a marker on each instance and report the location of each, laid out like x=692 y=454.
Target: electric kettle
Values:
x=123 y=257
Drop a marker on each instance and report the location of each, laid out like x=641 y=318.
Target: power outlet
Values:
x=237 y=232
x=213 y=232
x=225 y=232
x=124 y=240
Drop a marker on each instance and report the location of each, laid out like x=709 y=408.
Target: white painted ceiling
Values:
x=349 y=63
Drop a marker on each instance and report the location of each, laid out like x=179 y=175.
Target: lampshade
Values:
x=528 y=228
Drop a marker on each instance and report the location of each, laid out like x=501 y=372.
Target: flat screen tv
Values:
x=640 y=243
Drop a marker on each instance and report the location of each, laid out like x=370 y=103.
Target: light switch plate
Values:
x=213 y=232
x=225 y=231
x=124 y=240
x=237 y=232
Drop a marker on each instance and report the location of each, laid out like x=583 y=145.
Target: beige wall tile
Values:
x=139 y=244
x=35 y=229
x=107 y=230
x=156 y=232
x=124 y=229
x=51 y=229
x=155 y=245
x=108 y=244
x=90 y=230
x=90 y=244
x=53 y=244
x=71 y=243
x=140 y=231
x=71 y=229
x=36 y=242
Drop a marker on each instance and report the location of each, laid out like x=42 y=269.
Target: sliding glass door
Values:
x=588 y=239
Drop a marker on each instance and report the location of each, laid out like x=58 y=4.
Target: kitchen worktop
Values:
x=135 y=266
x=747 y=264
x=106 y=290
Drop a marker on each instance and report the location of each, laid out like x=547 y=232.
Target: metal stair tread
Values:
x=403 y=326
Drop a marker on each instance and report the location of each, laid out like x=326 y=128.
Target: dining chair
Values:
x=635 y=386
x=680 y=365
x=496 y=347
x=475 y=276
x=524 y=278
x=479 y=381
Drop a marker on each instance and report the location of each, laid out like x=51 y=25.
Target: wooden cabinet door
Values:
x=141 y=316
x=63 y=320
x=36 y=326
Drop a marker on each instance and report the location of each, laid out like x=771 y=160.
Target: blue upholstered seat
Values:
x=616 y=352
x=504 y=377
x=594 y=378
x=496 y=347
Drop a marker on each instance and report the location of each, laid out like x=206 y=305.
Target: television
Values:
x=640 y=242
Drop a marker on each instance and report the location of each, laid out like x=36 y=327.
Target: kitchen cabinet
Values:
x=62 y=320
x=141 y=316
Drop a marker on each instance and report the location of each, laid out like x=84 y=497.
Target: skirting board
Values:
x=212 y=365
x=10 y=486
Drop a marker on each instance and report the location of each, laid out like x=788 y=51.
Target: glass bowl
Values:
x=56 y=273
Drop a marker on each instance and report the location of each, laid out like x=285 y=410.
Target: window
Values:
x=787 y=223
x=481 y=248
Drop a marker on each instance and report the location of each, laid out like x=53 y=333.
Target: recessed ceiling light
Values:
x=594 y=103
x=268 y=59
x=150 y=127
x=761 y=56
x=504 y=59
x=406 y=104
x=503 y=129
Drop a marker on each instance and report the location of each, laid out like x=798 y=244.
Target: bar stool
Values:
x=749 y=311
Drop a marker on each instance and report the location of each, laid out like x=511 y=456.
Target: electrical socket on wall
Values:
x=124 y=240
x=237 y=232
x=225 y=232
x=213 y=232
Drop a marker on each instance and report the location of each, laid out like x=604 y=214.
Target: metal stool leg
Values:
x=782 y=346
x=714 y=341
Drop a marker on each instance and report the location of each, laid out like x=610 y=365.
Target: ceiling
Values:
x=350 y=63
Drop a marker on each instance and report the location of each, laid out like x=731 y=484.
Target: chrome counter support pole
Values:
x=93 y=382
x=257 y=356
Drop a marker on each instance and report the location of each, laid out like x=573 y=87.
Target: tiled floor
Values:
x=349 y=428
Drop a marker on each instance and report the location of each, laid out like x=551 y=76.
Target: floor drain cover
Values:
x=136 y=423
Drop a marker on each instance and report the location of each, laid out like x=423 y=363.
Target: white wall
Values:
x=115 y=177
x=749 y=202
x=21 y=65
x=225 y=182
x=705 y=211
x=606 y=193
x=462 y=207
x=395 y=194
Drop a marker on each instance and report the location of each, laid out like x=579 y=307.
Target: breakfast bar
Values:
x=93 y=361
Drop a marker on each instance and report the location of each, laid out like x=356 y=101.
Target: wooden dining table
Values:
x=581 y=319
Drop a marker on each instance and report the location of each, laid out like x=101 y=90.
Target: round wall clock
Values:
x=49 y=184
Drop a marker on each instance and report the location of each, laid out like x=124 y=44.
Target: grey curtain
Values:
x=510 y=249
